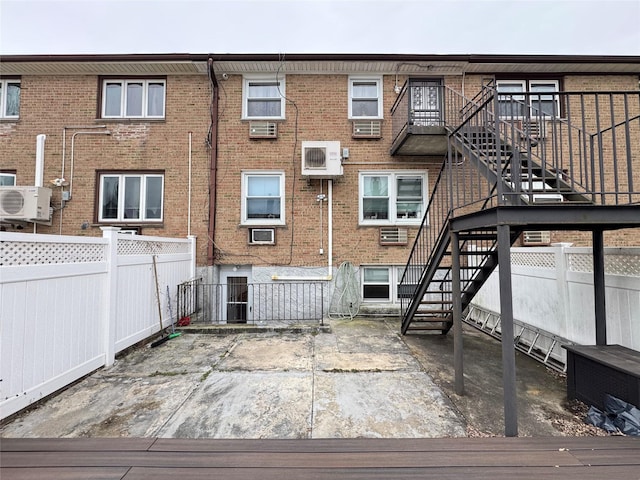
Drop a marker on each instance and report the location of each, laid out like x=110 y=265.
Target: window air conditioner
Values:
x=536 y=237
x=393 y=236
x=367 y=129
x=263 y=130
x=321 y=159
x=25 y=203
x=262 y=236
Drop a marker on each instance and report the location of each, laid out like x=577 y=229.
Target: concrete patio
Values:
x=358 y=378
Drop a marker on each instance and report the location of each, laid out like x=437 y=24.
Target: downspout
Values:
x=213 y=165
x=330 y=229
x=189 y=190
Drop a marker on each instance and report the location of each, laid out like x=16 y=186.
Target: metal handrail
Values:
x=563 y=158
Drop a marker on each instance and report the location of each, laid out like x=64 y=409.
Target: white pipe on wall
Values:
x=189 y=191
x=329 y=275
x=330 y=229
x=39 y=176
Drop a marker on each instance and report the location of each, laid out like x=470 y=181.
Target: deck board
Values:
x=472 y=458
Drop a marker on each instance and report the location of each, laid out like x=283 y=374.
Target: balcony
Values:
x=418 y=120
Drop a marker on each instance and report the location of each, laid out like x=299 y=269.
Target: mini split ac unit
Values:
x=25 y=203
x=321 y=159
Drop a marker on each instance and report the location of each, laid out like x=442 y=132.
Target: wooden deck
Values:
x=346 y=459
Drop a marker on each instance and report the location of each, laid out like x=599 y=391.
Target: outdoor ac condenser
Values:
x=321 y=159
x=25 y=203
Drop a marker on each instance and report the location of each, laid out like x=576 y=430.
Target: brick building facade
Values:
x=230 y=129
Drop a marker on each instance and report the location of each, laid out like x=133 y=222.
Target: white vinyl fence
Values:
x=69 y=304
x=553 y=290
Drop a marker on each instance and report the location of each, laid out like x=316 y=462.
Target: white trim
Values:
x=8 y=175
x=121 y=197
x=526 y=87
x=280 y=81
x=123 y=82
x=392 y=177
x=390 y=275
x=3 y=97
x=244 y=191
x=395 y=275
x=378 y=79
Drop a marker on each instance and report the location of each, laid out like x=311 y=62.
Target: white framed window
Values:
x=10 y=98
x=263 y=98
x=131 y=197
x=381 y=283
x=541 y=101
x=262 y=198
x=365 y=98
x=376 y=283
x=545 y=103
x=7 y=179
x=392 y=198
x=133 y=98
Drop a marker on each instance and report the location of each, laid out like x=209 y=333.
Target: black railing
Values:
x=253 y=303
x=558 y=147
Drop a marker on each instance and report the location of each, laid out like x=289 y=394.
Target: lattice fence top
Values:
x=624 y=265
x=153 y=247
x=534 y=259
x=44 y=253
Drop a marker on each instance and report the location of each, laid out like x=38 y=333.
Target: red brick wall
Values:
x=322 y=114
x=48 y=104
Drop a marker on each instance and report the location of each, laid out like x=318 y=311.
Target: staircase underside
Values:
x=434 y=311
x=551 y=217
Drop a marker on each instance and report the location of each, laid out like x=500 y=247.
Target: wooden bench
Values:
x=593 y=371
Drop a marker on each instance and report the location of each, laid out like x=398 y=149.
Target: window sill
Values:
x=262 y=225
x=130 y=224
x=131 y=120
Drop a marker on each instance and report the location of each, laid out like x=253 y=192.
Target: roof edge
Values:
x=190 y=57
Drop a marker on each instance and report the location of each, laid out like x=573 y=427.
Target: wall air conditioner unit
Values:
x=262 y=236
x=367 y=129
x=25 y=203
x=321 y=159
x=263 y=130
x=393 y=236
x=536 y=237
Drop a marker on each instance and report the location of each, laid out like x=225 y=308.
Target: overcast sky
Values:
x=587 y=27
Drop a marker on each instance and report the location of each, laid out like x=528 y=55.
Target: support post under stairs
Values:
x=508 y=346
x=599 y=287
x=457 y=314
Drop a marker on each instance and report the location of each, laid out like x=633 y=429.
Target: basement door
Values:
x=236 y=307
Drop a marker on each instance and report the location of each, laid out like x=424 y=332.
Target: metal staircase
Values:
x=542 y=161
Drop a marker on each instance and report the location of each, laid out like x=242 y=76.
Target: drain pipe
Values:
x=189 y=192
x=330 y=229
x=39 y=173
x=213 y=165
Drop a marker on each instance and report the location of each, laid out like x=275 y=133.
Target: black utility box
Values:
x=593 y=371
